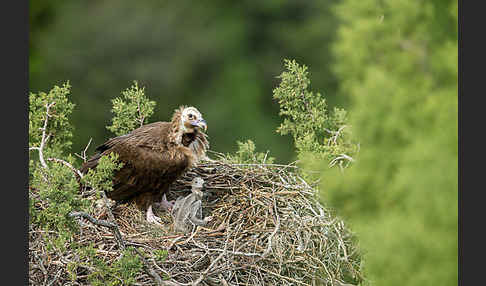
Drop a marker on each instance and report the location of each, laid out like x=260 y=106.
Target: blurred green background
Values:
x=391 y=63
x=222 y=57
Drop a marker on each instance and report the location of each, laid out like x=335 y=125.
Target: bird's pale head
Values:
x=197 y=186
x=191 y=120
x=197 y=183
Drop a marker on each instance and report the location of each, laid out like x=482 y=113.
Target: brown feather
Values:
x=198 y=143
x=154 y=156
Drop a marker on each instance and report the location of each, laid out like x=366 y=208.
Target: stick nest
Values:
x=268 y=228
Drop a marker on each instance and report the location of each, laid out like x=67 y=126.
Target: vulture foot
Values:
x=152 y=218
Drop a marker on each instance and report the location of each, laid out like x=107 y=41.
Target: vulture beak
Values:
x=201 y=123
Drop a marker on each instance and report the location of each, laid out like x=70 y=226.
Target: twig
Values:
x=76 y=171
x=263 y=165
x=44 y=137
x=149 y=269
x=335 y=134
x=239 y=253
x=277 y=227
x=42 y=268
x=113 y=226
x=117 y=233
x=92 y=219
x=140 y=117
x=339 y=158
x=280 y=276
x=83 y=156
x=203 y=275
x=55 y=277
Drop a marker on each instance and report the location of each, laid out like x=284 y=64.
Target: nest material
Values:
x=267 y=229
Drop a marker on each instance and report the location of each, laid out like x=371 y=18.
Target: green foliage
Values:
x=246 y=154
x=131 y=111
x=54 y=190
x=160 y=254
x=101 y=177
x=54 y=187
x=316 y=132
x=121 y=272
x=58 y=128
x=57 y=192
x=398 y=67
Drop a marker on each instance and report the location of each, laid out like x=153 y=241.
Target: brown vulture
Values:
x=154 y=156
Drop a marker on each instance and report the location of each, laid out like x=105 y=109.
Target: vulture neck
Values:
x=177 y=135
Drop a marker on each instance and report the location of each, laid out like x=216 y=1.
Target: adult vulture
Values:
x=154 y=156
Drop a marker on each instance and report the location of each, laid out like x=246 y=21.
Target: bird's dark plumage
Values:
x=154 y=156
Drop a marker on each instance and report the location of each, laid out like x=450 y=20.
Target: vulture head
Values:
x=191 y=120
x=187 y=120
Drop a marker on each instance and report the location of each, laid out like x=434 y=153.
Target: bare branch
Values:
x=44 y=137
x=83 y=154
x=340 y=158
x=76 y=171
x=112 y=225
x=203 y=275
x=273 y=211
x=149 y=269
x=141 y=118
x=92 y=219
x=55 y=277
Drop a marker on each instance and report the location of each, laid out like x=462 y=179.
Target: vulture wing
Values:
x=150 y=163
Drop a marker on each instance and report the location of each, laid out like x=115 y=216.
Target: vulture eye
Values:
x=190 y=115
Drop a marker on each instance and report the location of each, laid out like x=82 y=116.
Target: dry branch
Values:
x=45 y=136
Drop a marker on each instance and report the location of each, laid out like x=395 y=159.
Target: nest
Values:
x=268 y=228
